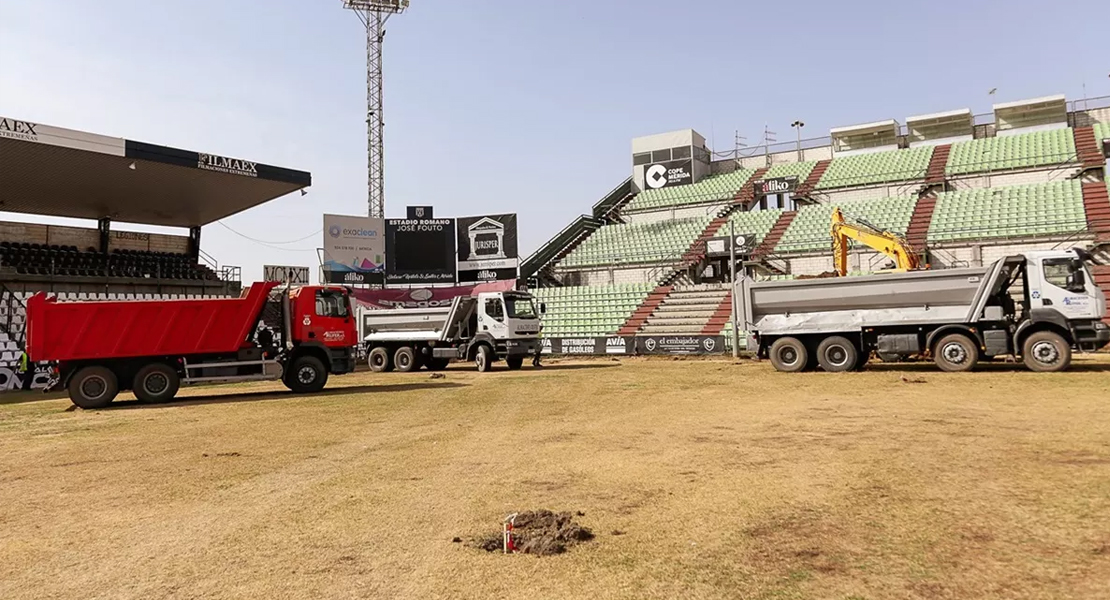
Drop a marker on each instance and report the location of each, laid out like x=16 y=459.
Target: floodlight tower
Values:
x=374 y=14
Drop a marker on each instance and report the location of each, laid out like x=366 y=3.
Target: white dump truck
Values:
x=1038 y=306
x=484 y=328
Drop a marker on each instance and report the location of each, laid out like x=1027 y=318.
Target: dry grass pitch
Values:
x=701 y=479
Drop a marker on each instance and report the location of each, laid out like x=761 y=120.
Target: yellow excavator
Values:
x=891 y=244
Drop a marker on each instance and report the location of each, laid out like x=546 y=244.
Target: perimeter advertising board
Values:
x=420 y=251
x=354 y=249
x=487 y=248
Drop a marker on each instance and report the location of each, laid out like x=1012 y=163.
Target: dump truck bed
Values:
x=69 y=331
x=411 y=324
x=851 y=303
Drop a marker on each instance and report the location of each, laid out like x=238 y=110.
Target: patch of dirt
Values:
x=539 y=532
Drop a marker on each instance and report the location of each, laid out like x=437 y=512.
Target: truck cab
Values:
x=320 y=318
x=1060 y=293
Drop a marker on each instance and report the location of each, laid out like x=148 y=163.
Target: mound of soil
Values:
x=539 y=532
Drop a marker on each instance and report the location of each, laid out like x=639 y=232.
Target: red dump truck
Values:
x=152 y=347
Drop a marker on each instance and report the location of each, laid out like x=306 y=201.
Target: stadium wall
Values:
x=84 y=238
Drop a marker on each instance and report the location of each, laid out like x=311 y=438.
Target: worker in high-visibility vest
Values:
x=26 y=376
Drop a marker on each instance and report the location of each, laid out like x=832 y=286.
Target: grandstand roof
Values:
x=67 y=173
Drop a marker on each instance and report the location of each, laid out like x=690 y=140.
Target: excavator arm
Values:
x=890 y=244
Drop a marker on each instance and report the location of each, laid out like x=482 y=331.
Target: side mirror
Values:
x=543 y=308
x=1077 y=282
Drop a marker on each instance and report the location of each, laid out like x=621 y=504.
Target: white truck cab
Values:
x=485 y=328
x=1061 y=281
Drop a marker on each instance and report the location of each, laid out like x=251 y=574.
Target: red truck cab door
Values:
x=323 y=315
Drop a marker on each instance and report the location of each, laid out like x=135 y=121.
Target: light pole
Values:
x=797 y=125
x=374 y=14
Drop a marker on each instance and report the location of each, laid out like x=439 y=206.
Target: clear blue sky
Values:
x=525 y=106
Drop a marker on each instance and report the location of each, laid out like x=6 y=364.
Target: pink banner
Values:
x=423 y=297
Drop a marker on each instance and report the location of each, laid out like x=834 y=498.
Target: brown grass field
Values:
x=701 y=479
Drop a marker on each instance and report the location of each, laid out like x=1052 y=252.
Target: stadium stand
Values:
x=68 y=261
x=801 y=170
x=1036 y=149
x=810 y=229
x=660 y=241
x=714 y=188
x=51 y=171
x=1037 y=210
x=1044 y=181
x=876 y=167
x=589 y=310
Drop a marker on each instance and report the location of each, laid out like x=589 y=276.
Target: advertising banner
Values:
x=286 y=274
x=420 y=251
x=775 y=185
x=354 y=249
x=487 y=248
x=680 y=344
x=426 y=297
x=668 y=174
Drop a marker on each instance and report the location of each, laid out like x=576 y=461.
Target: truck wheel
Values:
x=404 y=359
x=156 y=382
x=837 y=354
x=307 y=375
x=483 y=358
x=1046 y=352
x=956 y=353
x=789 y=355
x=437 y=364
x=379 y=360
x=514 y=362
x=93 y=387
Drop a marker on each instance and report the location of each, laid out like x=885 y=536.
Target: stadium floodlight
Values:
x=374 y=14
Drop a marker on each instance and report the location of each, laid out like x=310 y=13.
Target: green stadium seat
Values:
x=1022 y=151
x=714 y=188
x=589 y=310
x=876 y=167
x=800 y=170
x=657 y=242
x=1037 y=210
x=810 y=229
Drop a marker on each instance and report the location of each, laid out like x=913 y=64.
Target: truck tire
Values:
x=404 y=359
x=1046 y=352
x=514 y=362
x=307 y=375
x=93 y=387
x=156 y=382
x=379 y=360
x=956 y=353
x=437 y=364
x=837 y=354
x=483 y=358
x=789 y=355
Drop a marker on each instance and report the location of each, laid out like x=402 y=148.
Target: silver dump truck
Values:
x=484 y=328
x=1038 y=306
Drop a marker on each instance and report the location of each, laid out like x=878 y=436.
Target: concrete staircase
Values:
x=810 y=183
x=937 y=163
x=720 y=316
x=747 y=193
x=1086 y=147
x=685 y=311
x=772 y=238
x=1096 y=203
x=641 y=314
x=918 y=231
